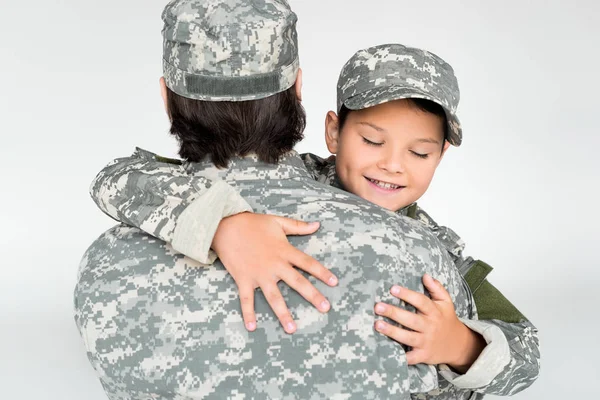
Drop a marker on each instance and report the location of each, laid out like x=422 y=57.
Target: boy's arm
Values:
x=158 y=196
x=511 y=361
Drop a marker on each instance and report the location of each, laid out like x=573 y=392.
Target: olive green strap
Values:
x=412 y=211
x=477 y=274
x=490 y=302
x=167 y=160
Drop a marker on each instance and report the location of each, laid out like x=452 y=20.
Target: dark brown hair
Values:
x=221 y=130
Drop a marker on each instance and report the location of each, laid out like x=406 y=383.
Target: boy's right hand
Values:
x=255 y=250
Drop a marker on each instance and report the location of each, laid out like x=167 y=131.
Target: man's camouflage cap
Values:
x=389 y=72
x=229 y=50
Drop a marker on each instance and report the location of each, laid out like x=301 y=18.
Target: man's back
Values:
x=157 y=325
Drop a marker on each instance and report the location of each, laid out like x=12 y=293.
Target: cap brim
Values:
x=376 y=96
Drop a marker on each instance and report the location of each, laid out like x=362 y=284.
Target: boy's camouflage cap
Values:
x=229 y=50
x=392 y=71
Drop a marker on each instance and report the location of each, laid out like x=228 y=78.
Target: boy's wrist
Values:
x=469 y=346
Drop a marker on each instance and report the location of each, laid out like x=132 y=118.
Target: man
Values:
x=157 y=326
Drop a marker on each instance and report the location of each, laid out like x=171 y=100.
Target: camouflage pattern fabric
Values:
x=232 y=50
x=144 y=185
x=389 y=72
x=522 y=336
x=157 y=326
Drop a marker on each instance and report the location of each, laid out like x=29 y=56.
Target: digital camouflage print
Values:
x=152 y=192
x=157 y=325
x=230 y=50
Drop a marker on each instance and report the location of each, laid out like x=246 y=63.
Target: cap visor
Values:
x=376 y=96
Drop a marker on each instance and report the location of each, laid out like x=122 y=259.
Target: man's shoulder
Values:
x=121 y=246
x=326 y=201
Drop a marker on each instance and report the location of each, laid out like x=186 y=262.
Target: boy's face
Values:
x=387 y=154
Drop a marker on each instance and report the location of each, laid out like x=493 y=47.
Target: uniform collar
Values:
x=250 y=167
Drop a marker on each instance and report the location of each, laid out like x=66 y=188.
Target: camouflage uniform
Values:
x=158 y=195
x=157 y=326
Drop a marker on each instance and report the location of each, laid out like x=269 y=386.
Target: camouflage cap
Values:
x=391 y=72
x=229 y=50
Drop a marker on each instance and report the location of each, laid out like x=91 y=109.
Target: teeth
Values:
x=384 y=185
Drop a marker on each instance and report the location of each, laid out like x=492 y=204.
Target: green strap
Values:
x=412 y=211
x=167 y=160
x=490 y=302
x=477 y=274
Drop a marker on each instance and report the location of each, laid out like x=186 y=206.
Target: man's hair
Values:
x=422 y=104
x=221 y=130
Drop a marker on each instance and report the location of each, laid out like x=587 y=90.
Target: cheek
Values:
x=423 y=174
x=354 y=158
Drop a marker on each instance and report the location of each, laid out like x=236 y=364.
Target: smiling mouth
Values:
x=384 y=185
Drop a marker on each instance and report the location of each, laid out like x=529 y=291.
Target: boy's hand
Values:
x=436 y=334
x=255 y=250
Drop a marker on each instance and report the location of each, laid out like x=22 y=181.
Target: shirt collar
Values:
x=251 y=168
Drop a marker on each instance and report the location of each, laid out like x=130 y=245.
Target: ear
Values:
x=332 y=132
x=299 y=84
x=163 y=93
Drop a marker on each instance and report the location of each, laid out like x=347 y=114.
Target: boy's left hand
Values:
x=436 y=334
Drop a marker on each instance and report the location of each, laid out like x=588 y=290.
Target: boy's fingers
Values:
x=414 y=357
x=247 y=303
x=405 y=318
x=436 y=289
x=277 y=303
x=400 y=335
x=296 y=227
x=312 y=266
x=305 y=289
x=416 y=299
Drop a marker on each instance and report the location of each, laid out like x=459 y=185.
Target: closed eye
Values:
x=420 y=155
x=370 y=143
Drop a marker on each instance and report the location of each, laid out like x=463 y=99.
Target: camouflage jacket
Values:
x=157 y=195
x=157 y=326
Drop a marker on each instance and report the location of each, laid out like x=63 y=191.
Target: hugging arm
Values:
x=156 y=194
x=160 y=197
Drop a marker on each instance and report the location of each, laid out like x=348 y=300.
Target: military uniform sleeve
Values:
x=511 y=360
x=158 y=196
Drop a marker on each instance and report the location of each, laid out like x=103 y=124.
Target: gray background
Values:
x=80 y=87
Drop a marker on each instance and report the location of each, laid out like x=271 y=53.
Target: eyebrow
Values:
x=427 y=140
x=377 y=128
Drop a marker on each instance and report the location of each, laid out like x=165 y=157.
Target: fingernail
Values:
x=380 y=325
x=325 y=305
x=291 y=327
x=333 y=280
x=313 y=224
x=396 y=290
x=380 y=308
x=251 y=326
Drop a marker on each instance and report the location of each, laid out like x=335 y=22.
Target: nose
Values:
x=392 y=161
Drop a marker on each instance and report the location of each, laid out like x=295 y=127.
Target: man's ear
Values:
x=163 y=93
x=299 y=85
x=332 y=132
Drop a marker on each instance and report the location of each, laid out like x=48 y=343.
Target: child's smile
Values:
x=387 y=154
